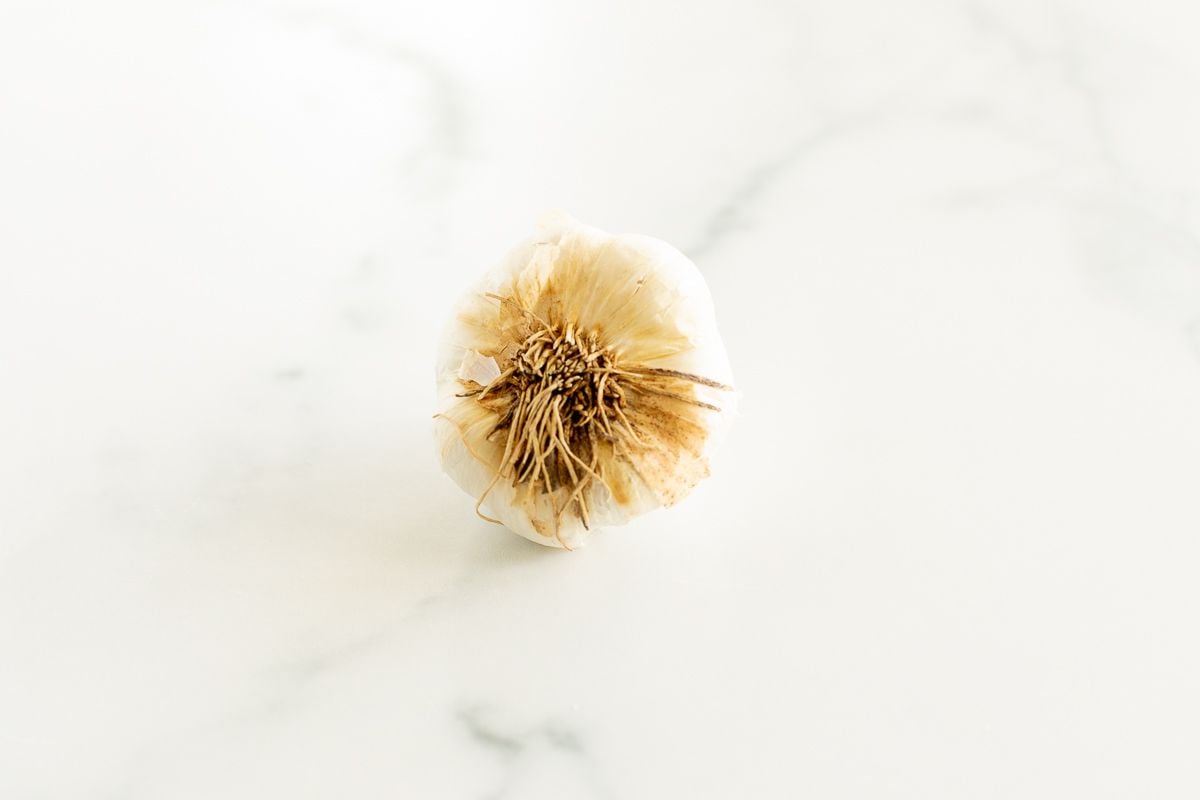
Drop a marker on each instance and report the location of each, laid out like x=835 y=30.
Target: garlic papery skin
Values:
x=581 y=383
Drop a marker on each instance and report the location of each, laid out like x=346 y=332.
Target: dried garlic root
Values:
x=582 y=383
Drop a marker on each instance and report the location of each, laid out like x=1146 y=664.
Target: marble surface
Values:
x=950 y=549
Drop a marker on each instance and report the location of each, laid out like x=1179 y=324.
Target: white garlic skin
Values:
x=653 y=307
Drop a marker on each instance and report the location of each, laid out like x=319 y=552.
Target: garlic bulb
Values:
x=581 y=383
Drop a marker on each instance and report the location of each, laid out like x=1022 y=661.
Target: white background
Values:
x=949 y=550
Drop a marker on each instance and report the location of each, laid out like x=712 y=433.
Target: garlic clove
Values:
x=581 y=383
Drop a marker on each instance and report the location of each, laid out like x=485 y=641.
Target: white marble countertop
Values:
x=950 y=548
